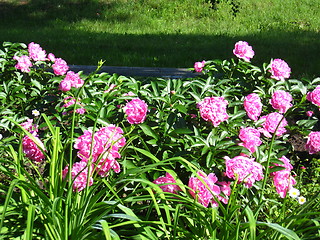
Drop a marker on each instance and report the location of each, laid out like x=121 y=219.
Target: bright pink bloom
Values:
x=60 y=66
x=23 y=64
x=243 y=50
x=244 y=169
x=79 y=175
x=201 y=192
x=65 y=85
x=314 y=96
x=36 y=53
x=75 y=79
x=163 y=182
x=198 y=66
x=282 y=180
x=105 y=148
x=214 y=109
x=309 y=113
x=136 y=111
x=281 y=100
x=31 y=149
x=313 y=142
x=271 y=122
x=29 y=126
x=253 y=106
x=226 y=190
x=250 y=138
x=51 y=57
x=71 y=80
x=279 y=70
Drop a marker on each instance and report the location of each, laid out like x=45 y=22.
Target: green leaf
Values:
x=284 y=231
x=148 y=131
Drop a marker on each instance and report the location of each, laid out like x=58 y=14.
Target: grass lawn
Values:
x=166 y=33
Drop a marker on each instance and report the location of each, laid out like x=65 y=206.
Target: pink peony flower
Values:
x=243 y=50
x=244 y=169
x=79 y=175
x=198 y=66
x=282 y=180
x=313 y=142
x=65 y=85
x=279 y=70
x=314 y=96
x=271 y=122
x=23 y=64
x=36 y=53
x=253 y=106
x=281 y=100
x=51 y=57
x=136 y=111
x=31 y=149
x=60 y=66
x=309 y=113
x=163 y=182
x=104 y=148
x=214 y=109
x=75 y=79
x=250 y=138
x=29 y=126
x=201 y=192
x=226 y=190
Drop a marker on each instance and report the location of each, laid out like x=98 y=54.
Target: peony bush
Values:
x=103 y=156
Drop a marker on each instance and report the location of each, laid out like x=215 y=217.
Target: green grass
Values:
x=166 y=33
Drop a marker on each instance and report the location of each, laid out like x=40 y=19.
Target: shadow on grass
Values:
x=38 y=23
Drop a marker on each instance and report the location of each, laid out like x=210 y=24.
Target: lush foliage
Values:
x=99 y=156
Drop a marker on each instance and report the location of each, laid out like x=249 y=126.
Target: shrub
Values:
x=221 y=140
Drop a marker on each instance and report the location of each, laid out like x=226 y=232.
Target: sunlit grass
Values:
x=166 y=33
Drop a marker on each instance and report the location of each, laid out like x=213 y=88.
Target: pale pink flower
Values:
x=198 y=66
x=271 y=122
x=23 y=64
x=29 y=126
x=243 y=50
x=79 y=176
x=136 y=111
x=201 y=192
x=226 y=190
x=314 y=96
x=164 y=183
x=282 y=180
x=253 y=106
x=281 y=100
x=250 y=138
x=313 y=142
x=214 y=109
x=244 y=169
x=60 y=66
x=104 y=148
x=309 y=113
x=279 y=69
x=36 y=53
x=51 y=57
x=31 y=149
x=65 y=85
x=75 y=79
